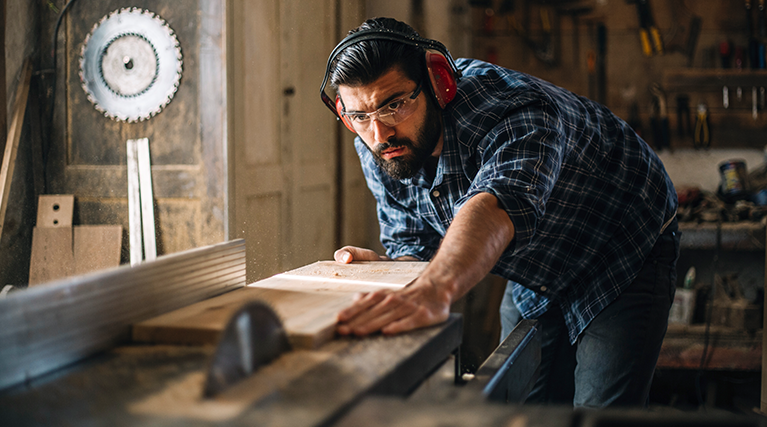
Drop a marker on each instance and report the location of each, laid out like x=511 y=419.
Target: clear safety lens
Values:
x=390 y=114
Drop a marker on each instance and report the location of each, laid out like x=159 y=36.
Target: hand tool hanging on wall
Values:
x=682 y=37
x=762 y=34
x=702 y=136
x=648 y=32
x=544 y=49
x=659 y=119
x=683 y=119
x=601 y=63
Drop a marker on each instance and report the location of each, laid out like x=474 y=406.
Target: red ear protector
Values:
x=442 y=71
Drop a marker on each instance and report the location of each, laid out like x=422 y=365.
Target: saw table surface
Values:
x=137 y=384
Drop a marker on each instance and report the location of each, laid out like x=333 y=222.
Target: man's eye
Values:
x=395 y=105
x=359 y=117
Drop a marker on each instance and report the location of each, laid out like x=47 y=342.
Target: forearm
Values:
x=479 y=234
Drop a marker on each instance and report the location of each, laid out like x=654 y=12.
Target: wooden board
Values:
x=59 y=252
x=308 y=317
x=52 y=256
x=307 y=300
x=97 y=247
x=355 y=277
x=55 y=210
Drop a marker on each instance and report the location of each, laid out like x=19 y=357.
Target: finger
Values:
x=364 y=302
x=391 y=308
x=360 y=327
x=343 y=256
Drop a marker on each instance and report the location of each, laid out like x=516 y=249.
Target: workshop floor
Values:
x=709 y=391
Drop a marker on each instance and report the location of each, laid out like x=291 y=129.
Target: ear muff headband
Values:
x=440 y=66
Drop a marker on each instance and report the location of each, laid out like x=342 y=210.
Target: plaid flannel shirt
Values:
x=588 y=198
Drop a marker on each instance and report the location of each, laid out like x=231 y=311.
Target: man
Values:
x=482 y=169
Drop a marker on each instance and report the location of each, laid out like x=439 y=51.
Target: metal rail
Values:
x=53 y=325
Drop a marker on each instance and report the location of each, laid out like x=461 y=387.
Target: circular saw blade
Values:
x=130 y=65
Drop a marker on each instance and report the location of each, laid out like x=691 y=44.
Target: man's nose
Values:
x=381 y=132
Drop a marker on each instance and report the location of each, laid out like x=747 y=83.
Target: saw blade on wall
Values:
x=130 y=65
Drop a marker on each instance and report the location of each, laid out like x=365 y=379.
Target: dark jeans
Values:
x=613 y=360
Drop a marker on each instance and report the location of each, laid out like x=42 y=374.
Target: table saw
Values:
x=139 y=346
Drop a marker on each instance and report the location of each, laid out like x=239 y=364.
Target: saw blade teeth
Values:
x=158 y=93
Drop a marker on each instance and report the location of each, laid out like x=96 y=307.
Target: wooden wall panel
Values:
x=257 y=111
x=284 y=148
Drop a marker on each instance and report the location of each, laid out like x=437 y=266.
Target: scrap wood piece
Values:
x=52 y=256
x=309 y=318
x=12 y=141
x=96 y=247
x=55 y=210
x=59 y=252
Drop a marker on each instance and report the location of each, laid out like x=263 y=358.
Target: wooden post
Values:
x=3 y=95
x=14 y=134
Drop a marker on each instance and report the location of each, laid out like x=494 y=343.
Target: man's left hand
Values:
x=418 y=305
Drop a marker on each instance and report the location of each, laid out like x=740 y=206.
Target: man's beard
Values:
x=406 y=166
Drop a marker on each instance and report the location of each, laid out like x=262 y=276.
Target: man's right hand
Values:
x=348 y=254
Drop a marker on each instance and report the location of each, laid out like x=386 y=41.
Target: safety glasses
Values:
x=390 y=114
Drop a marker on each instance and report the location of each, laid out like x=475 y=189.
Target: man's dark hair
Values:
x=366 y=61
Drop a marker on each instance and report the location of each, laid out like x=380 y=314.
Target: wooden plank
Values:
x=52 y=256
x=307 y=299
x=12 y=142
x=97 y=247
x=363 y=276
x=134 y=205
x=55 y=210
x=309 y=318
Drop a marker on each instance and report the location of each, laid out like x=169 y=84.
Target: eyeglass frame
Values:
x=375 y=115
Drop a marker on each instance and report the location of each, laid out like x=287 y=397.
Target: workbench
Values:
x=138 y=385
x=109 y=380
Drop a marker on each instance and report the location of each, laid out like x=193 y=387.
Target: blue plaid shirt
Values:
x=587 y=197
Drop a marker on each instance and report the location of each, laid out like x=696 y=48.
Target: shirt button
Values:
x=435 y=193
x=544 y=289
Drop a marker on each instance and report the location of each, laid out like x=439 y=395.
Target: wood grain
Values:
x=307 y=300
x=309 y=318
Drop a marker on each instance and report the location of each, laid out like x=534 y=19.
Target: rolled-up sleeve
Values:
x=519 y=163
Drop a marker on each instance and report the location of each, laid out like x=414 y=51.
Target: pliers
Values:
x=648 y=32
x=702 y=138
